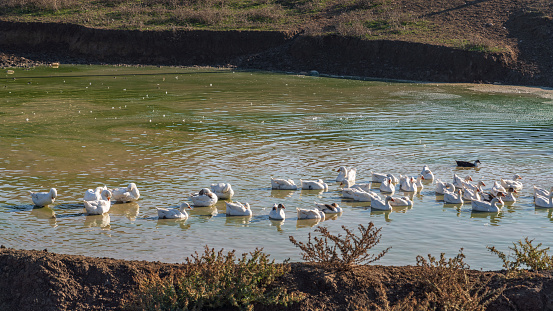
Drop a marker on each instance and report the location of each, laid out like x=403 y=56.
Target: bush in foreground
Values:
x=342 y=252
x=214 y=279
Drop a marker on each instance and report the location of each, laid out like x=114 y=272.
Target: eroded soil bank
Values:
x=40 y=280
x=26 y=44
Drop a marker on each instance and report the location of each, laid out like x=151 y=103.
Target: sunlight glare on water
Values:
x=173 y=131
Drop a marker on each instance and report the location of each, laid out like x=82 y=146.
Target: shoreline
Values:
x=26 y=44
x=34 y=279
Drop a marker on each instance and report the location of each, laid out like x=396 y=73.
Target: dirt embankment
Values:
x=39 y=280
x=281 y=51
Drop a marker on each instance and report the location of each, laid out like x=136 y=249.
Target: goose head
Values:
x=105 y=194
x=53 y=193
x=184 y=206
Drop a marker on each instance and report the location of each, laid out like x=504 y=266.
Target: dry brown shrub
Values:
x=448 y=286
x=342 y=252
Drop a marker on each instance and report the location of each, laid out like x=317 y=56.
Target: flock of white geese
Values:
x=459 y=191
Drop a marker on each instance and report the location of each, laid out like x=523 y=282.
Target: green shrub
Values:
x=525 y=255
x=214 y=280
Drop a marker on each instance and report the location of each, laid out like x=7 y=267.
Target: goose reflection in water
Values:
x=46 y=213
x=102 y=221
x=129 y=210
x=277 y=224
x=307 y=223
x=238 y=221
x=207 y=211
x=282 y=194
x=355 y=204
x=386 y=214
x=495 y=217
x=548 y=211
x=182 y=223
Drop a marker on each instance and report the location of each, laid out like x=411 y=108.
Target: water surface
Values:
x=173 y=131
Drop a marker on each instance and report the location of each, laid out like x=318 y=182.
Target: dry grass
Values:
x=342 y=252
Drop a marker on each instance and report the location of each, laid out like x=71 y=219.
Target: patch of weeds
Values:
x=215 y=280
x=526 y=255
x=378 y=24
x=342 y=252
x=447 y=286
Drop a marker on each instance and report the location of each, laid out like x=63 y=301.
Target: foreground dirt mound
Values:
x=39 y=280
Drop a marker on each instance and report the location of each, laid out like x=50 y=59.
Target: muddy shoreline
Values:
x=28 y=44
x=40 y=280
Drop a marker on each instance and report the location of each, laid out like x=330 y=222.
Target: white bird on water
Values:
x=44 y=198
x=174 y=213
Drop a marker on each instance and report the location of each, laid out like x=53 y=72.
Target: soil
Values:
x=522 y=31
x=40 y=280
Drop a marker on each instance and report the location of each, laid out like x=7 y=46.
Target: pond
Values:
x=173 y=131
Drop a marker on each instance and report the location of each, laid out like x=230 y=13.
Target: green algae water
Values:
x=173 y=131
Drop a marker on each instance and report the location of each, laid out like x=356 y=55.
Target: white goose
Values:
x=540 y=191
x=427 y=173
x=173 y=213
x=443 y=186
x=347 y=184
x=382 y=205
x=387 y=186
x=98 y=207
x=409 y=184
x=365 y=187
x=313 y=185
x=238 y=209
x=479 y=186
x=379 y=177
x=125 y=194
x=402 y=201
x=453 y=197
x=469 y=195
x=223 y=191
x=204 y=198
x=277 y=213
x=310 y=213
x=346 y=174
x=497 y=187
x=364 y=196
x=283 y=184
x=512 y=183
x=510 y=197
x=491 y=207
x=418 y=183
x=546 y=202
x=96 y=194
x=44 y=198
x=329 y=208
x=458 y=182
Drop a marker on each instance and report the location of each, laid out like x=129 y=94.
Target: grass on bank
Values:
x=368 y=19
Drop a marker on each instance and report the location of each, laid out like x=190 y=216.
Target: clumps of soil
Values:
x=40 y=280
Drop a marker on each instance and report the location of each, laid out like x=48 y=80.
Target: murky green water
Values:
x=173 y=131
